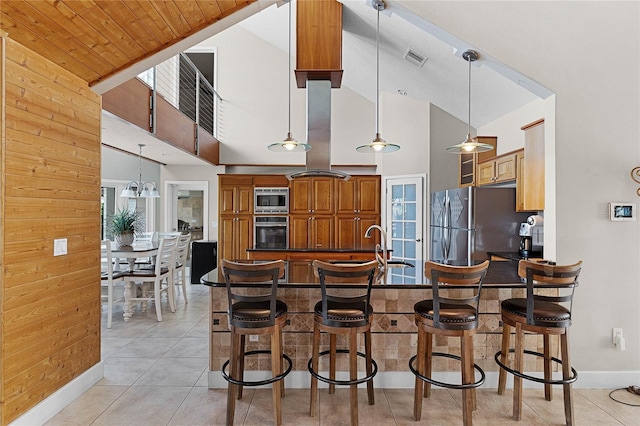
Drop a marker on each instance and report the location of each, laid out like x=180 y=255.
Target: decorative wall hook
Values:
x=635 y=175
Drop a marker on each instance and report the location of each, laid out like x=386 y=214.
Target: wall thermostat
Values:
x=622 y=211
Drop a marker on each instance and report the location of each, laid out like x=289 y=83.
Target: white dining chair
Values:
x=153 y=282
x=182 y=255
x=108 y=278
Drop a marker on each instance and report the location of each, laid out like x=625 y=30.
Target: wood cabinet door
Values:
x=322 y=195
x=299 y=231
x=227 y=199
x=236 y=200
x=346 y=199
x=505 y=168
x=520 y=168
x=346 y=228
x=321 y=232
x=364 y=222
x=534 y=160
x=368 y=193
x=300 y=191
x=244 y=236
x=226 y=238
x=486 y=172
x=244 y=200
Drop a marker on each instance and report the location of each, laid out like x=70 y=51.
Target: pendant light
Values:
x=378 y=144
x=140 y=188
x=289 y=144
x=469 y=146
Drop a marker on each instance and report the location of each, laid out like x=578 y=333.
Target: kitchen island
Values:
x=394 y=332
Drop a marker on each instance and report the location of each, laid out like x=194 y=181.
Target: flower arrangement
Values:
x=123 y=224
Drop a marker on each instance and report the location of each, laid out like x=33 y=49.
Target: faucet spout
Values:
x=383 y=237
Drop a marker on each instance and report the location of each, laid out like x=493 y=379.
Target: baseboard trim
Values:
x=46 y=409
x=405 y=379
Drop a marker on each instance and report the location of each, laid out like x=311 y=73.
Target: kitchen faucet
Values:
x=381 y=260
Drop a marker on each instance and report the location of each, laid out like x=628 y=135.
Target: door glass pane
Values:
x=410 y=211
x=396 y=230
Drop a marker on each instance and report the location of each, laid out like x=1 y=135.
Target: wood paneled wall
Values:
x=50 y=168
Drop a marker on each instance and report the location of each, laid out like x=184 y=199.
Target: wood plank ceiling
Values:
x=95 y=39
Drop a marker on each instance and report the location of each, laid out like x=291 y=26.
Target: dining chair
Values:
x=161 y=276
x=107 y=279
x=182 y=254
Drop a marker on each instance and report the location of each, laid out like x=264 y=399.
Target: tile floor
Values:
x=156 y=374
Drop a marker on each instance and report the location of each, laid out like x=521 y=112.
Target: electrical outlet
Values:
x=253 y=338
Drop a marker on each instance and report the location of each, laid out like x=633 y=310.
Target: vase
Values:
x=125 y=239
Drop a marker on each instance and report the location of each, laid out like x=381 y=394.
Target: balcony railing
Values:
x=183 y=86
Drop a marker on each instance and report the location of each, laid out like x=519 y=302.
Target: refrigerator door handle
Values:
x=446 y=235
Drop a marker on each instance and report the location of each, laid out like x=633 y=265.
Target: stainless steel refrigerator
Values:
x=466 y=223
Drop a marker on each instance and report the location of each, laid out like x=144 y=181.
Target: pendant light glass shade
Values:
x=378 y=144
x=289 y=144
x=469 y=145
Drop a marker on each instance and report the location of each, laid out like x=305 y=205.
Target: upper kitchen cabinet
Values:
x=530 y=187
x=313 y=195
x=359 y=195
x=236 y=194
x=499 y=169
x=469 y=162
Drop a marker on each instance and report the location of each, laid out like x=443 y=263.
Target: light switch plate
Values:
x=59 y=246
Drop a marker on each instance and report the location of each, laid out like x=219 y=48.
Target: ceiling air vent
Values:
x=415 y=58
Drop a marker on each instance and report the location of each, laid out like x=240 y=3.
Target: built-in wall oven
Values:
x=270 y=232
x=271 y=200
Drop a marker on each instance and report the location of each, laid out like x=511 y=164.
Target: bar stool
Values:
x=348 y=316
x=540 y=314
x=448 y=315
x=255 y=314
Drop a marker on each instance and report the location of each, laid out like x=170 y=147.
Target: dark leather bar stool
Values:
x=448 y=315
x=541 y=312
x=343 y=315
x=259 y=313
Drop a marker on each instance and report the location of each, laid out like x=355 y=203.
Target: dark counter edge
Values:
x=501 y=274
x=320 y=250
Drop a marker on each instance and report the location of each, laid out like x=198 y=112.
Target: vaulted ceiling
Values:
x=96 y=40
x=107 y=42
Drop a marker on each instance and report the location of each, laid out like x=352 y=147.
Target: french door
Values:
x=404 y=199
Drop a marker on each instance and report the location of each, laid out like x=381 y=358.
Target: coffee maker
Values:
x=531 y=237
x=526 y=241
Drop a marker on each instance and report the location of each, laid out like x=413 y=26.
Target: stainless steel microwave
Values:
x=270 y=200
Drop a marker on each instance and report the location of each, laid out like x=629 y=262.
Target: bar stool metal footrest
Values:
x=443 y=384
x=257 y=382
x=571 y=379
x=344 y=382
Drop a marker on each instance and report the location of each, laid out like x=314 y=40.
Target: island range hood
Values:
x=318 y=162
x=318 y=69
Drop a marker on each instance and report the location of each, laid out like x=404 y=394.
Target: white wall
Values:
x=446 y=130
x=404 y=121
x=586 y=53
x=252 y=81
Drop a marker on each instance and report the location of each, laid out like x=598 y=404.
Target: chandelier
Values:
x=140 y=188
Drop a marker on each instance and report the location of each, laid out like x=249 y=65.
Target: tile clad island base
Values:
x=394 y=336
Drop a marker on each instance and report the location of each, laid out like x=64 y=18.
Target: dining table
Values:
x=133 y=252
